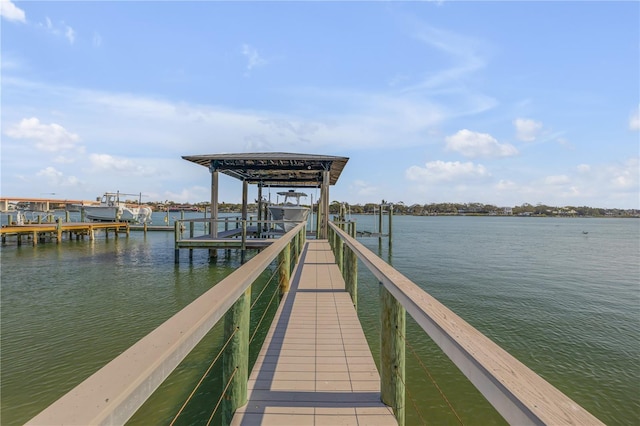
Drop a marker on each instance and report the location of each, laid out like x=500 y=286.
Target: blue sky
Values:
x=492 y=102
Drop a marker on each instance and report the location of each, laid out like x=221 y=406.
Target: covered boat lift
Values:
x=274 y=169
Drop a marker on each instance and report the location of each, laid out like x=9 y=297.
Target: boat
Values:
x=289 y=214
x=112 y=209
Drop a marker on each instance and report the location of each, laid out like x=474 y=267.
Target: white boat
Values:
x=112 y=209
x=287 y=213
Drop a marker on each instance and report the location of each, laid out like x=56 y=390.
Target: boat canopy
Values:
x=275 y=169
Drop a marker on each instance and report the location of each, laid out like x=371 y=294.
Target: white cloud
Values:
x=441 y=171
x=253 y=57
x=49 y=172
x=527 y=130
x=60 y=31
x=597 y=185
x=634 y=120
x=70 y=34
x=47 y=137
x=474 y=144
x=584 y=168
x=363 y=188
x=505 y=184
x=557 y=180
x=11 y=12
x=466 y=52
x=625 y=176
x=55 y=178
x=101 y=163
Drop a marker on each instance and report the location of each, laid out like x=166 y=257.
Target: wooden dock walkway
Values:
x=56 y=230
x=315 y=366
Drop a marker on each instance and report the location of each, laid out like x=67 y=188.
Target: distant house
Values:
x=508 y=211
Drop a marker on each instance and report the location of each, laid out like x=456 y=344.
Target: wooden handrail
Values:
x=517 y=393
x=116 y=391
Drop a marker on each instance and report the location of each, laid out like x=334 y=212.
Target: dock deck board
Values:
x=315 y=366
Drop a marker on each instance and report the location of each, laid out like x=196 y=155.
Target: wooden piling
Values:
x=284 y=269
x=390 y=225
x=295 y=250
x=392 y=353
x=243 y=249
x=351 y=270
x=59 y=231
x=235 y=362
x=191 y=225
x=176 y=250
x=339 y=250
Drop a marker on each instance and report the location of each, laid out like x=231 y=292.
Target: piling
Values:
x=284 y=269
x=339 y=251
x=235 y=361
x=176 y=250
x=243 y=249
x=59 y=231
x=392 y=354
x=351 y=269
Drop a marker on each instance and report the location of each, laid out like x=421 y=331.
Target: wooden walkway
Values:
x=56 y=230
x=315 y=367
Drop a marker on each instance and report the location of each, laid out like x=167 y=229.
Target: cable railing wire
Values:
x=276 y=291
x=411 y=398
x=220 y=352
x=275 y=272
x=213 y=413
x=203 y=377
x=426 y=370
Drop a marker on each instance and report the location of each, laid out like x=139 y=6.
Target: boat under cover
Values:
x=289 y=214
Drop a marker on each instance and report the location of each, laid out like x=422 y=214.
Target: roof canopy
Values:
x=279 y=169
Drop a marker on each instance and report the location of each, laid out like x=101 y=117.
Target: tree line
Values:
x=432 y=209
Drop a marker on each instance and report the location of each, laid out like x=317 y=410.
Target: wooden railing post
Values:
x=339 y=252
x=295 y=252
x=392 y=353
x=284 y=269
x=235 y=362
x=351 y=269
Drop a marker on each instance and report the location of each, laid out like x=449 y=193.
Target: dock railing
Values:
x=115 y=392
x=515 y=391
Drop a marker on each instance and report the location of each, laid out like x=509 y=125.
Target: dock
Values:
x=37 y=232
x=315 y=366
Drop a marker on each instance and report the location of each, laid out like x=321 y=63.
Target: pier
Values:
x=36 y=232
x=315 y=335
x=315 y=365
x=41 y=204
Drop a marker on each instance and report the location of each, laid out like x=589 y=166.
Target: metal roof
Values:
x=279 y=169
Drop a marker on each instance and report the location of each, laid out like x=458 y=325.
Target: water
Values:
x=565 y=303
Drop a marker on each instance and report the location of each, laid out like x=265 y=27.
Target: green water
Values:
x=565 y=303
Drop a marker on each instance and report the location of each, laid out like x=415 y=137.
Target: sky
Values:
x=502 y=102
